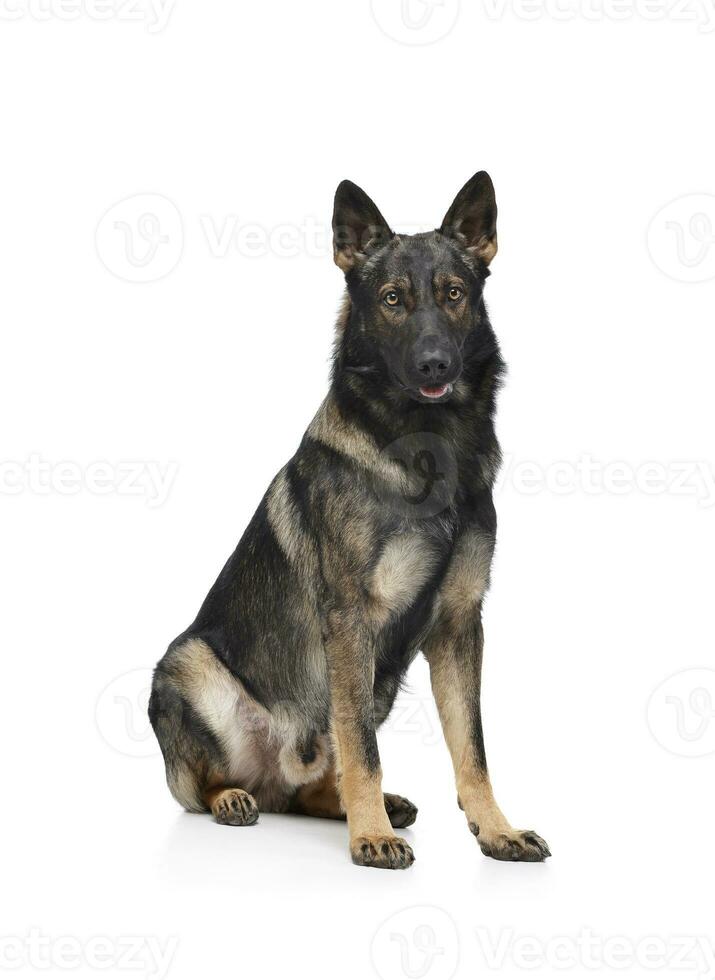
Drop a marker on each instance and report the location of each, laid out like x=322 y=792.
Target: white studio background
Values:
x=168 y=297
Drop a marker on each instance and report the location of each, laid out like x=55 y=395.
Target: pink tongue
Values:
x=433 y=392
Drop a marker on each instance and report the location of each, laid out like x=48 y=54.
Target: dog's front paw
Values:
x=381 y=852
x=400 y=811
x=513 y=845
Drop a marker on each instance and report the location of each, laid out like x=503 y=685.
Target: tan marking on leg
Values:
x=455 y=684
x=467 y=578
x=360 y=787
x=361 y=795
x=473 y=786
x=455 y=671
x=372 y=840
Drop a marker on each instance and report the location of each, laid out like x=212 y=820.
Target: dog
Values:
x=374 y=542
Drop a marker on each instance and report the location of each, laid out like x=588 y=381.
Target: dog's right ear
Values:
x=358 y=226
x=472 y=217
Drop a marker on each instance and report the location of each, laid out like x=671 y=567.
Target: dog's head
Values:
x=416 y=299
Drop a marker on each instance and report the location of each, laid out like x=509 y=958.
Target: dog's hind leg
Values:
x=192 y=755
x=321 y=799
x=198 y=714
x=195 y=770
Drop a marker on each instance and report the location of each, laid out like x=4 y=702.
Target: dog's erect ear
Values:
x=472 y=218
x=358 y=226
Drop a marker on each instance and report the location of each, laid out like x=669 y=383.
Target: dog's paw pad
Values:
x=235 y=808
x=381 y=852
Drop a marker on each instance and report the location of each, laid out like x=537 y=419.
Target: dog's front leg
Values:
x=351 y=667
x=454 y=653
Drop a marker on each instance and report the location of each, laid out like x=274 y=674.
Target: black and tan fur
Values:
x=372 y=543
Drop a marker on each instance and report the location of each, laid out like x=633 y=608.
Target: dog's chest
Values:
x=408 y=570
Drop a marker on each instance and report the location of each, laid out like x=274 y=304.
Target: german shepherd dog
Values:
x=372 y=543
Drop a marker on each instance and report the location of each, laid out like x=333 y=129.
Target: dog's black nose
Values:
x=434 y=364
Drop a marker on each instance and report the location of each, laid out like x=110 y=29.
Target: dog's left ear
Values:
x=472 y=218
x=358 y=226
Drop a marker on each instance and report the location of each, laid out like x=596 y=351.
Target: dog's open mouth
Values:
x=435 y=392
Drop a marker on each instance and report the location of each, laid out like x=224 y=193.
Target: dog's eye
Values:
x=391 y=298
x=454 y=293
